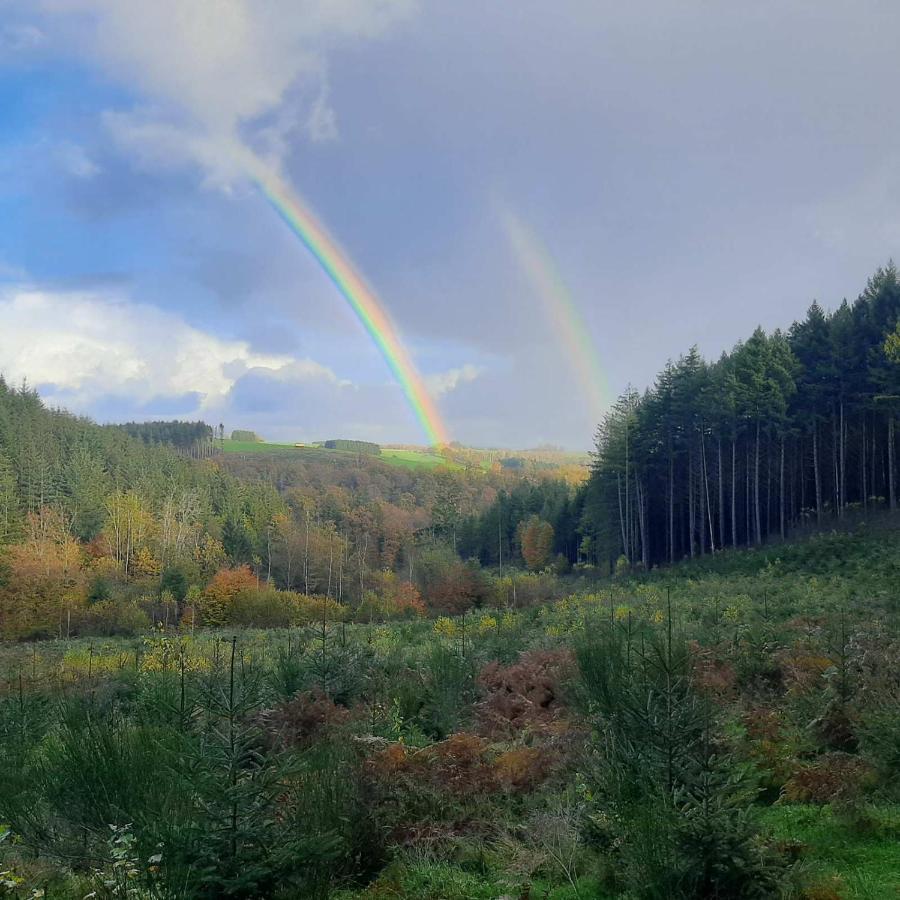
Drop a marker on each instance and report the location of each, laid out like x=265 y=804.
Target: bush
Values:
x=108 y=618
x=302 y=720
x=526 y=696
x=266 y=608
x=832 y=777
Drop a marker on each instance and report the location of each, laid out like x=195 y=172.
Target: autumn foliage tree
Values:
x=226 y=584
x=43 y=577
x=391 y=598
x=537 y=542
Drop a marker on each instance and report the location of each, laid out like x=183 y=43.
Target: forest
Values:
x=788 y=429
x=674 y=673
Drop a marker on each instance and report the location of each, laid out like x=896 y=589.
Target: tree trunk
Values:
x=873 y=472
x=781 y=489
x=817 y=474
x=622 y=518
x=843 y=461
x=721 y=498
x=748 y=524
x=642 y=523
x=836 y=493
x=801 y=460
x=756 y=487
x=862 y=466
x=712 y=540
x=892 y=499
x=734 y=534
x=768 y=517
x=628 y=546
x=671 y=503
x=691 y=513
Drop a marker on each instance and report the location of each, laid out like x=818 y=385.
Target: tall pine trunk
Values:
x=781 y=489
x=892 y=499
x=756 y=487
x=734 y=533
x=721 y=499
x=862 y=465
x=691 y=511
x=817 y=475
x=836 y=493
x=622 y=517
x=712 y=540
x=671 y=503
x=642 y=522
x=748 y=519
x=843 y=460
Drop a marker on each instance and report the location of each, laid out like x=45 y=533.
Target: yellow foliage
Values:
x=145 y=564
x=445 y=627
x=487 y=623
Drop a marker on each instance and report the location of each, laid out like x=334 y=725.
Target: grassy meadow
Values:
x=725 y=728
x=406 y=458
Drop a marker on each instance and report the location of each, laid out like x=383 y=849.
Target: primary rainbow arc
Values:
x=359 y=295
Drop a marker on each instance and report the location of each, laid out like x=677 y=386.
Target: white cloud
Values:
x=321 y=123
x=444 y=382
x=85 y=347
x=214 y=68
x=75 y=160
x=19 y=39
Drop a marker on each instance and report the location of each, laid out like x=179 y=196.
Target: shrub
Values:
x=525 y=696
x=108 y=618
x=832 y=777
x=302 y=720
x=393 y=599
x=266 y=608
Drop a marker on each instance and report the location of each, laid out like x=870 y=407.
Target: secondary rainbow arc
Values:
x=542 y=272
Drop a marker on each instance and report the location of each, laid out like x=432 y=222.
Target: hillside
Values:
x=529 y=748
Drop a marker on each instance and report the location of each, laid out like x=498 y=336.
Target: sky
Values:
x=688 y=170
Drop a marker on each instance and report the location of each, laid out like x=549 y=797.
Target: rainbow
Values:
x=543 y=274
x=359 y=295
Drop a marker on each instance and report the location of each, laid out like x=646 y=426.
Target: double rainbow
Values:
x=363 y=300
x=543 y=274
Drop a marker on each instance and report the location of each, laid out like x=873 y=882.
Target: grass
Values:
x=406 y=458
x=415 y=459
x=417 y=880
x=265 y=447
x=860 y=863
x=743 y=604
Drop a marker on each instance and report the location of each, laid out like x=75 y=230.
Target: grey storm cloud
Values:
x=695 y=169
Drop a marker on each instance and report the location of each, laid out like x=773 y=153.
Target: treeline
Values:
x=789 y=428
x=194 y=439
x=102 y=532
x=495 y=536
x=353 y=446
x=90 y=515
x=243 y=434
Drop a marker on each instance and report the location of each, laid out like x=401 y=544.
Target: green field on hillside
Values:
x=230 y=446
x=415 y=459
x=406 y=458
